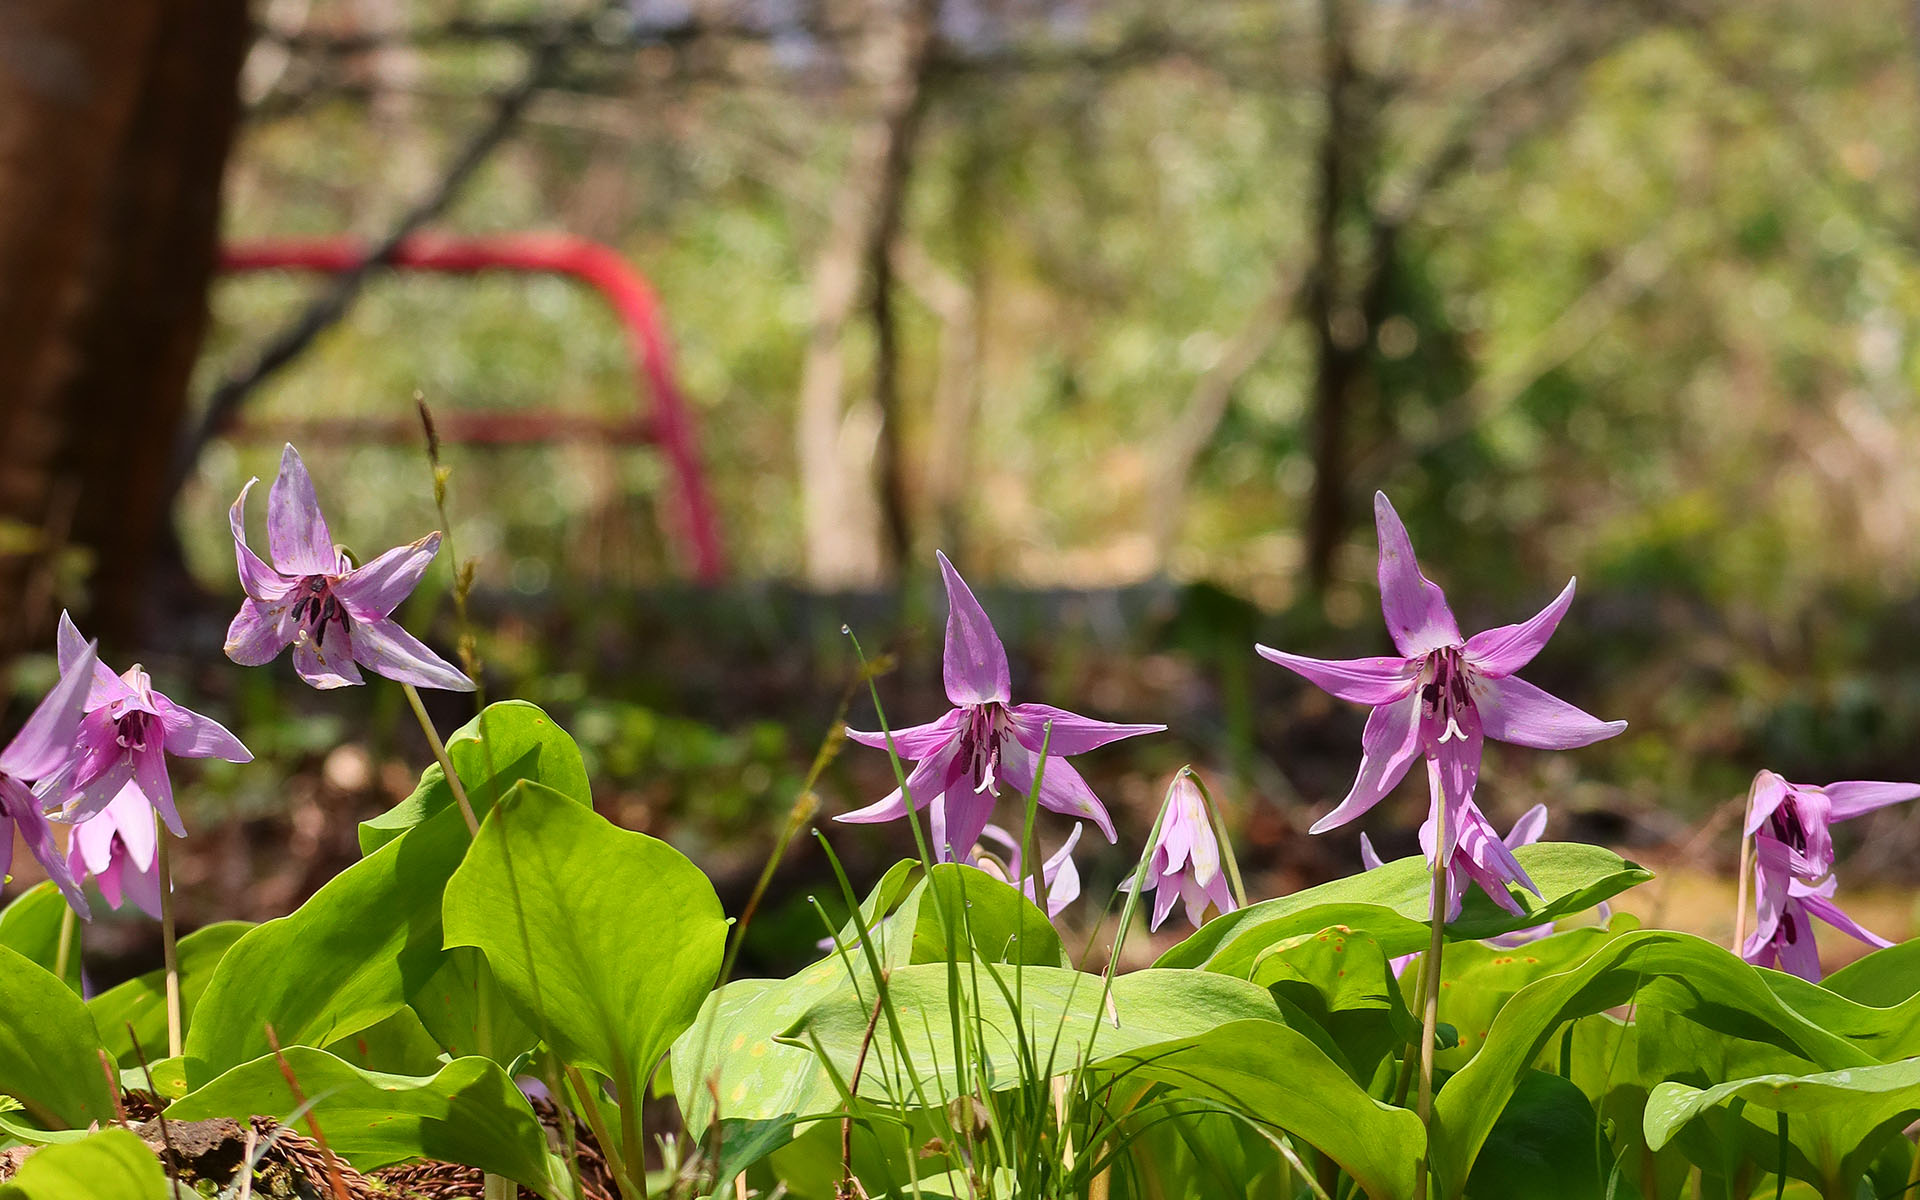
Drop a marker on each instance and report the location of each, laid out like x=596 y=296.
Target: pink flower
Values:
x=1800 y=816
x=964 y=757
x=1058 y=875
x=35 y=752
x=123 y=741
x=1439 y=698
x=313 y=599
x=120 y=848
x=1791 y=824
x=1784 y=934
x=1185 y=861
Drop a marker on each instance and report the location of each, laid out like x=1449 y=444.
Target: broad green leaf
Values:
x=345 y=960
x=1884 y=978
x=606 y=940
x=1391 y=903
x=470 y=1112
x=49 y=1051
x=1342 y=981
x=1477 y=979
x=1838 y=1120
x=399 y=1045
x=883 y=899
x=1277 y=1076
x=1212 y=1036
x=521 y=742
x=991 y=917
x=455 y=1016
x=731 y=1054
x=1685 y=975
x=142 y=1000
x=110 y=1165
x=15 y=1124
x=32 y=923
x=1542 y=1147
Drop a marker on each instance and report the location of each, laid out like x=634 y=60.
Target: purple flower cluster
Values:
x=94 y=752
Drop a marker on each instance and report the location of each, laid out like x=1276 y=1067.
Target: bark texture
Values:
x=114 y=133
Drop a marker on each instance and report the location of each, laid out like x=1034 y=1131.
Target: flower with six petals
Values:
x=123 y=742
x=986 y=740
x=313 y=598
x=37 y=751
x=1439 y=698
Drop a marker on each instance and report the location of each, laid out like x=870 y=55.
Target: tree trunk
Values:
x=113 y=138
x=1337 y=344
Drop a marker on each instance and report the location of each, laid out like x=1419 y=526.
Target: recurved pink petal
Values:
x=1824 y=908
x=1528 y=829
x=957 y=819
x=1504 y=650
x=1388 y=746
x=192 y=735
x=375 y=590
x=1165 y=891
x=1360 y=680
x=69 y=646
x=17 y=803
x=150 y=774
x=924 y=782
x=1415 y=607
x=132 y=823
x=976 y=662
x=914 y=742
x=297 y=533
x=46 y=740
x=1854 y=797
x=260 y=631
x=1060 y=874
x=386 y=649
x=326 y=666
x=1772 y=876
x=1369 y=857
x=1794 y=944
x=257 y=579
x=1072 y=733
x=1062 y=790
x=1513 y=710
x=142 y=887
x=1494 y=865
x=1767 y=792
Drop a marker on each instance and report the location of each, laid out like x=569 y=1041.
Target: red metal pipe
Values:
x=600 y=267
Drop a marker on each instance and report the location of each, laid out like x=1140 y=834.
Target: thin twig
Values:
x=166 y=1139
x=853 y=1088
x=335 y=1183
x=328 y=308
x=113 y=1085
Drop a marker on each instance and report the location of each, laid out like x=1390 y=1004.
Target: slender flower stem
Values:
x=440 y=753
x=1430 y=982
x=1740 y=896
x=63 y=953
x=168 y=951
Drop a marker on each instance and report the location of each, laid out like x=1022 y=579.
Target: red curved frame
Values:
x=671 y=425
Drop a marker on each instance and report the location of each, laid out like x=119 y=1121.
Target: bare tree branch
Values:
x=224 y=404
